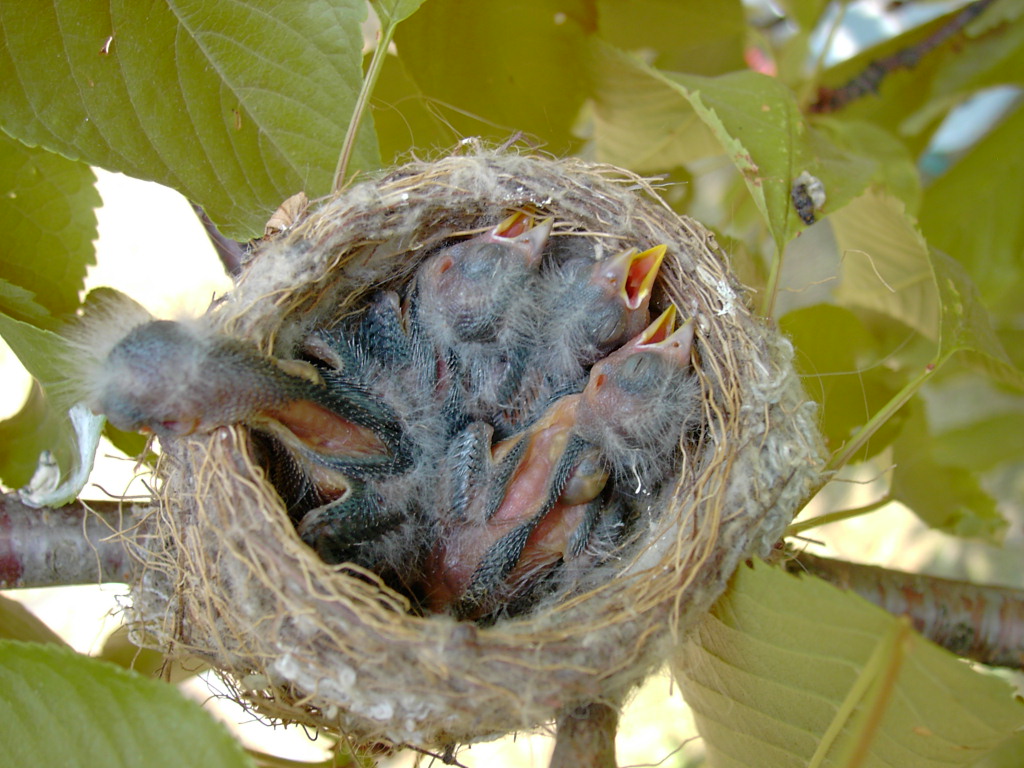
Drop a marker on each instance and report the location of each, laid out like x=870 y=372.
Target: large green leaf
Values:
x=641 y=122
x=703 y=37
x=756 y=120
x=60 y=708
x=497 y=68
x=787 y=672
x=984 y=231
x=886 y=264
x=946 y=497
x=235 y=104
x=47 y=215
x=842 y=369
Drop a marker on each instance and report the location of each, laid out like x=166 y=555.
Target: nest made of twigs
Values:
x=227 y=578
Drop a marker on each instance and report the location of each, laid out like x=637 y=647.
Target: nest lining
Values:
x=227 y=578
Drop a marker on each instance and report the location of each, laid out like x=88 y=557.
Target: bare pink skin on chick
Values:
x=168 y=379
x=453 y=564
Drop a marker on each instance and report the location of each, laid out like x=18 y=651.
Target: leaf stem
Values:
x=772 y=286
x=369 y=82
x=835 y=517
x=864 y=434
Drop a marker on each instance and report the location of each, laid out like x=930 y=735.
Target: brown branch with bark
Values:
x=586 y=736
x=80 y=544
x=869 y=80
x=75 y=544
x=983 y=623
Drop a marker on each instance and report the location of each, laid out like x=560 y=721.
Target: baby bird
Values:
x=640 y=400
x=172 y=379
x=498 y=497
x=542 y=489
x=595 y=306
x=475 y=301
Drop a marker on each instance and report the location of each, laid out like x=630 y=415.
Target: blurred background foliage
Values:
x=859 y=161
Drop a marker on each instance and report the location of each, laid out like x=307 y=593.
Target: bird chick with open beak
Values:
x=476 y=302
x=640 y=400
x=593 y=307
x=538 y=495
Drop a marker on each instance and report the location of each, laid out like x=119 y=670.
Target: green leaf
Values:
x=43 y=353
x=982 y=445
x=889 y=268
x=98 y=714
x=945 y=497
x=235 y=104
x=702 y=37
x=984 y=232
x=42 y=423
x=966 y=328
x=404 y=117
x=394 y=11
x=498 y=69
x=641 y=122
x=793 y=672
x=975 y=423
x=841 y=368
x=21 y=303
x=39 y=426
x=47 y=215
x=886 y=263
x=756 y=120
x=893 y=168
x=19 y=623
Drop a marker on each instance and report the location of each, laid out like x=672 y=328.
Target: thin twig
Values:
x=795 y=529
x=376 y=64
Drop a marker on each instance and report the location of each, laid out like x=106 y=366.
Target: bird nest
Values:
x=227 y=578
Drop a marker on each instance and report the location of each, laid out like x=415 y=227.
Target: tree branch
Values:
x=74 y=544
x=870 y=78
x=982 y=623
x=586 y=736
